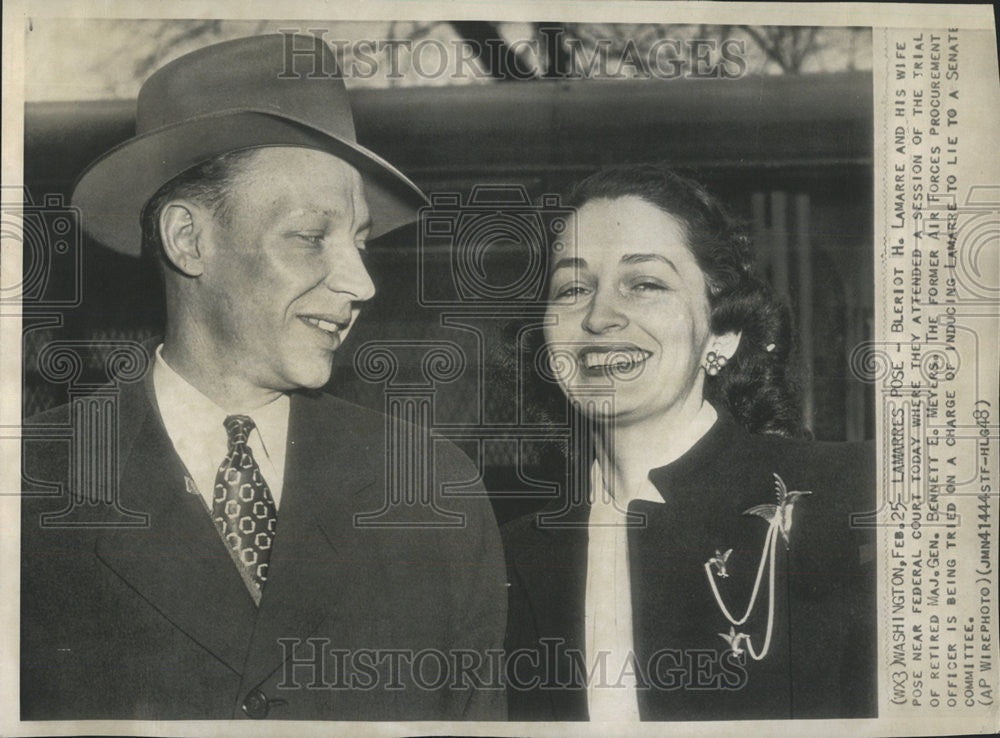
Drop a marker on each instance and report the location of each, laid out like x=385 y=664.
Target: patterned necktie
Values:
x=243 y=508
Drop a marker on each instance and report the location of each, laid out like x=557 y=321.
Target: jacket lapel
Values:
x=553 y=572
x=705 y=496
x=178 y=564
x=311 y=574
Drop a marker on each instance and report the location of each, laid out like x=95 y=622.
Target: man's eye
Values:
x=314 y=239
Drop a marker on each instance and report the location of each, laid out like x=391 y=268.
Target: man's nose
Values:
x=347 y=273
x=603 y=314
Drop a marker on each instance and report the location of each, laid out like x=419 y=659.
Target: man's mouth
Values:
x=324 y=324
x=612 y=359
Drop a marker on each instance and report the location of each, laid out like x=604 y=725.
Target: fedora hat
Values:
x=242 y=94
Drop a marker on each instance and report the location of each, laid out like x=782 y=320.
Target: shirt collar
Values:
x=648 y=490
x=183 y=408
x=195 y=425
x=724 y=439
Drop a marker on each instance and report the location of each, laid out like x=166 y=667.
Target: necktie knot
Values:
x=238 y=428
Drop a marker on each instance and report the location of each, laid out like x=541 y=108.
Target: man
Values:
x=252 y=592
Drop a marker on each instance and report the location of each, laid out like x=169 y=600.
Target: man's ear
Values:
x=725 y=344
x=182 y=230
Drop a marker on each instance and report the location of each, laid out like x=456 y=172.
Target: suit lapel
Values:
x=704 y=495
x=311 y=575
x=553 y=571
x=178 y=564
x=672 y=600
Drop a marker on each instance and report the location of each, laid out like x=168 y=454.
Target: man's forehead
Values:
x=303 y=179
x=301 y=160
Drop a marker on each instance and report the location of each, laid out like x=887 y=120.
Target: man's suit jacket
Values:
x=821 y=661
x=156 y=623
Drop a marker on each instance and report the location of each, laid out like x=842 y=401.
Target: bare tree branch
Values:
x=787 y=47
x=504 y=63
x=170 y=36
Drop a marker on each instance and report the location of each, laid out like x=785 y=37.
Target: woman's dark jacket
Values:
x=821 y=662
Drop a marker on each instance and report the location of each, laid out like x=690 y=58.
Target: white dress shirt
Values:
x=608 y=599
x=196 y=428
x=608 y=604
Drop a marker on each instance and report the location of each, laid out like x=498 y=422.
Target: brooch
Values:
x=779 y=518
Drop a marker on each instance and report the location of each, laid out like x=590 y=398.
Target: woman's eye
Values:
x=568 y=293
x=313 y=239
x=648 y=285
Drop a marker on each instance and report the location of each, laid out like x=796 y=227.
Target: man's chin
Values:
x=311 y=375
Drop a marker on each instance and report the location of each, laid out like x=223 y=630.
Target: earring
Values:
x=714 y=363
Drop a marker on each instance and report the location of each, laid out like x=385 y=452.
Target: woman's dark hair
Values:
x=756 y=385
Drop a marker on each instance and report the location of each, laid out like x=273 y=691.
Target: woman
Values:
x=710 y=571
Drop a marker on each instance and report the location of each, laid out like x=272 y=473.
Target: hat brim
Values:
x=113 y=190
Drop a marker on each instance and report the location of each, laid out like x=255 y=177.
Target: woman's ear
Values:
x=181 y=229
x=724 y=345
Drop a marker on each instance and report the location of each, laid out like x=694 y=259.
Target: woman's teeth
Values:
x=616 y=359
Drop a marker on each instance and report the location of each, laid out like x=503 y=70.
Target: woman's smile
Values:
x=600 y=359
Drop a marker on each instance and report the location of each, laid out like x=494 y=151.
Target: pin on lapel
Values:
x=782 y=512
x=718 y=562
x=734 y=639
x=779 y=519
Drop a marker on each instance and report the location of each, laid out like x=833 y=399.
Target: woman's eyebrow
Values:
x=640 y=258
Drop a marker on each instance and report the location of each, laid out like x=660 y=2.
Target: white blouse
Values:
x=611 y=684
x=611 y=688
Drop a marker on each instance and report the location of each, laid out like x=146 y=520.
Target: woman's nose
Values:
x=604 y=315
